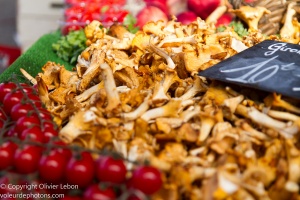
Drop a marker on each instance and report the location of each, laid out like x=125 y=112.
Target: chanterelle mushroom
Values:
x=290 y=28
x=251 y=15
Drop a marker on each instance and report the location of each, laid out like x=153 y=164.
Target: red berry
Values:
x=80 y=171
x=12 y=99
x=6 y=88
x=60 y=147
x=27 y=88
x=19 y=110
x=26 y=159
x=95 y=192
x=44 y=114
x=147 y=179
x=26 y=122
x=48 y=124
x=5 y=180
x=69 y=197
x=50 y=133
x=135 y=197
x=35 y=99
x=33 y=133
x=7 y=151
x=52 y=167
x=111 y=170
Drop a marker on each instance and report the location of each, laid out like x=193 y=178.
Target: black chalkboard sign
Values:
x=270 y=66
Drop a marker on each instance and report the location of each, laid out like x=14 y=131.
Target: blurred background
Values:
x=22 y=22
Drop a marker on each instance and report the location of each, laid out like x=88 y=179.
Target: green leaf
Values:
x=130 y=22
x=70 y=46
x=237 y=26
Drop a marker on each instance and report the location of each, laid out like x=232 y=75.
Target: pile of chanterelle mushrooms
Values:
x=139 y=95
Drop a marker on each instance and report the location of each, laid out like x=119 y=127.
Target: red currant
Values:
x=49 y=133
x=33 y=133
x=95 y=192
x=19 y=110
x=80 y=171
x=7 y=151
x=111 y=170
x=55 y=163
x=6 y=88
x=26 y=122
x=26 y=159
x=11 y=99
x=147 y=179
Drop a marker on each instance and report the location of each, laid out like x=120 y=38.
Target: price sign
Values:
x=270 y=66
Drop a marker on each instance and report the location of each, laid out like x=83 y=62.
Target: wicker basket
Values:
x=271 y=23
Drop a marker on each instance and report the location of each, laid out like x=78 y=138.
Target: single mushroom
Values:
x=163 y=54
x=161 y=88
x=250 y=15
x=233 y=102
x=177 y=42
x=275 y=100
x=113 y=99
x=287 y=130
x=198 y=87
x=288 y=30
x=208 y=119
x=75 y=127
x=168 y=110
x=92 y=71
x=89 y=92
x=143 y=107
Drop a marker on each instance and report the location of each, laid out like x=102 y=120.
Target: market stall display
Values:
x=138 y=97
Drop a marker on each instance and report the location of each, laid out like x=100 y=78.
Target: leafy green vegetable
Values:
x=129 y=22
x=70 y=46
x=238 y=27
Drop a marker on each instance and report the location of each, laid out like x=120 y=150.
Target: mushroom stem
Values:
x=198 y=172
x=168 y=110
x=189 y=114
x=43 y=91
x=252 y=132
x=163 y=54
x=143 y=107
x=113 y=98
x=276 y=101
x=283 y=115
x=177 y=41
x=75 y=127
x=287 y=29
x=284 y=129
x=159 y=94
x=233 y=102
x=92 y=71
x=89 y=92
x=197 y=87
x=216 y=14
x=207 y=124
x=28 y=76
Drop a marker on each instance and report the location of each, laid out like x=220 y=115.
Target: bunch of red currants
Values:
x=31 y=152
